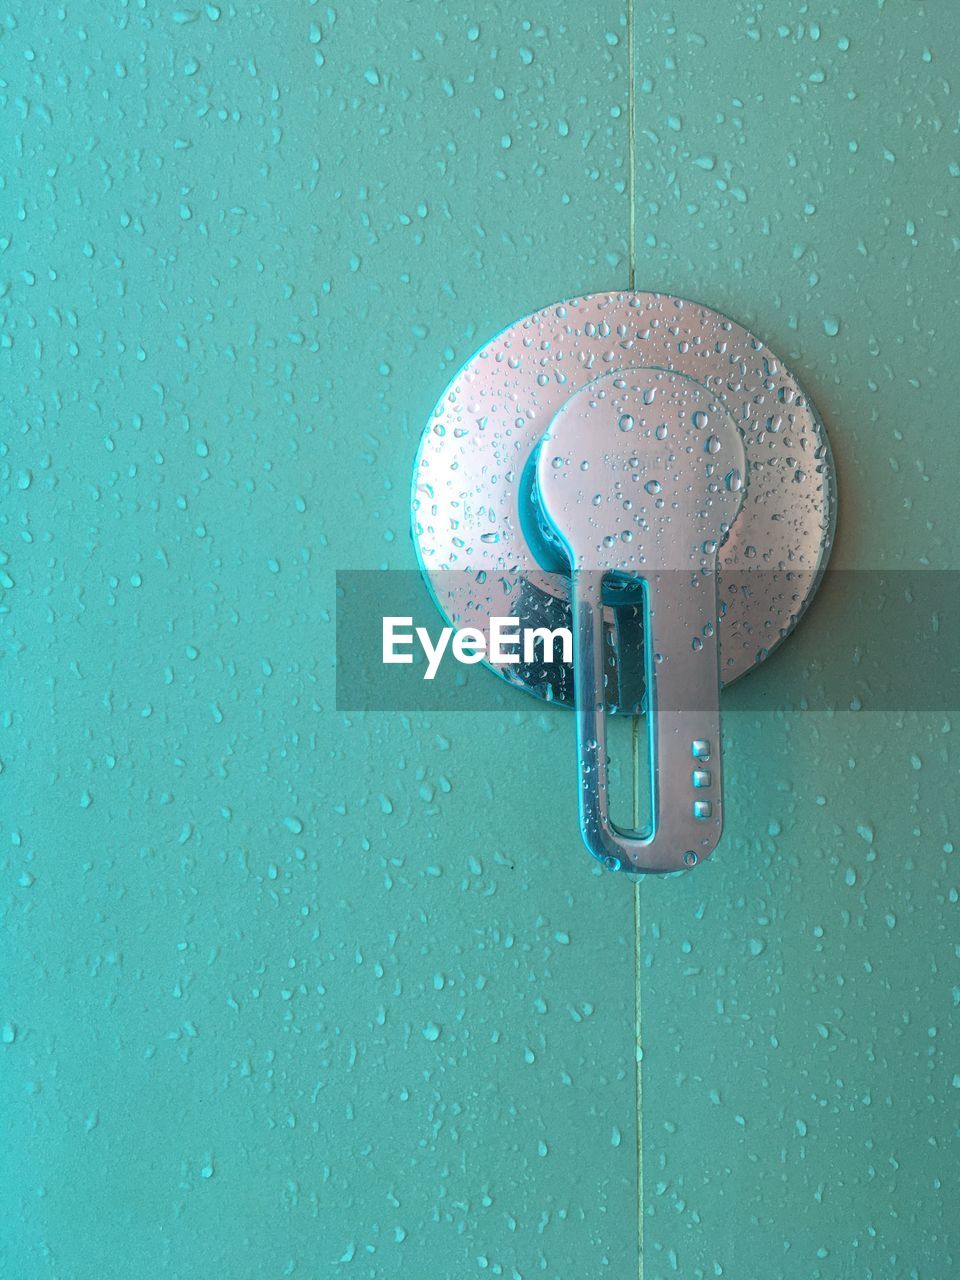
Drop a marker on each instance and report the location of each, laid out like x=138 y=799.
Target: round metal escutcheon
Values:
x=484 y=551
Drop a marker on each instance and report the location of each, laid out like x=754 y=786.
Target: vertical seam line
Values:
x=631 y=152
x=632 y=282
x=638 y=1053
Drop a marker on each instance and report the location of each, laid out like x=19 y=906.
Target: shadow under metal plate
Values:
x=483 y=549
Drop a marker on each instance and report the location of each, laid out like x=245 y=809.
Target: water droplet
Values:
x=626 y=422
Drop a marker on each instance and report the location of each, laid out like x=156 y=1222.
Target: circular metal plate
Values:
x=474 y=526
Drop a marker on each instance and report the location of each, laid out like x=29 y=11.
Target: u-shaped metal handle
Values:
x=683 y=688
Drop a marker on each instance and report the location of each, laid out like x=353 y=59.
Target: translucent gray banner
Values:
x=871 y=641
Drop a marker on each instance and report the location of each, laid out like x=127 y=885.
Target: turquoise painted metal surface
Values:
x=800 y=995
x=289 y=992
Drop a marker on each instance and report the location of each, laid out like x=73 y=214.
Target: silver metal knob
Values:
x=713 y=570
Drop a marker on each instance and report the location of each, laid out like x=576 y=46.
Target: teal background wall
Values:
x=287 y=992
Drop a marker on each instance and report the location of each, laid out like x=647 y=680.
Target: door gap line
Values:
x=631 y=152
x=632 y=281
x=638 y=1041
